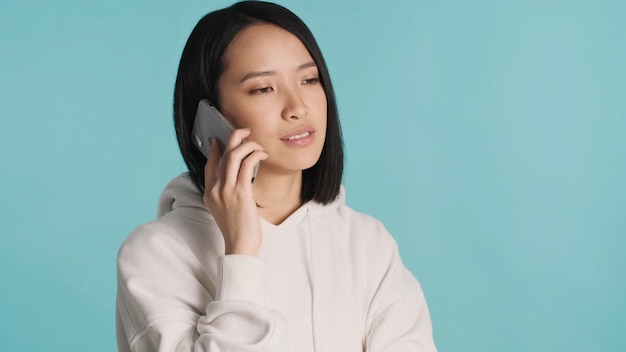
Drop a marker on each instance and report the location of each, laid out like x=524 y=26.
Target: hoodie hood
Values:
x=182 y=193
x=179 y=192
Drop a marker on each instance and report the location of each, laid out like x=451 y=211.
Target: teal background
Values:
x=487 y=135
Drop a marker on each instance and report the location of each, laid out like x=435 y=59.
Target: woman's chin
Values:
x=287 y=166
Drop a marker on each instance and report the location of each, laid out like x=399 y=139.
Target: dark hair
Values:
x=202 y=64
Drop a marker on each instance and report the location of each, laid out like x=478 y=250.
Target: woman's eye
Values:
x=263 y=90
x=311 y=81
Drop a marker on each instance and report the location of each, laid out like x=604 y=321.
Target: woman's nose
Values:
x=295 y=108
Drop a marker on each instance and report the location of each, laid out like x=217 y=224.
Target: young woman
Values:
x=281 y=263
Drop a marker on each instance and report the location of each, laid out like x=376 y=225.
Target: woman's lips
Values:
x=300 y=137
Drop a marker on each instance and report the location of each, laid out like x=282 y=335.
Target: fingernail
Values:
x=210 y=141
x=246 y=128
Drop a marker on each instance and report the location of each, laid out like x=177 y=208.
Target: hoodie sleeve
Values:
x=398 y=319
x=169 y=301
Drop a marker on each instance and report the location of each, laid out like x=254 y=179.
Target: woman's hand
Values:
x=228 y=192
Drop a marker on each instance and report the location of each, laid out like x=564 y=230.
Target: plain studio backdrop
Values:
x=488 y=136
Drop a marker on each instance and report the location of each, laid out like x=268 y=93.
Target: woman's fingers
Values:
x=246 y=173
x=237 y=163
x=228 y=192
x=237 y=137
x=234 y=158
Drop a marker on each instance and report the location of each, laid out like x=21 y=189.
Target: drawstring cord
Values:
x=312 y=276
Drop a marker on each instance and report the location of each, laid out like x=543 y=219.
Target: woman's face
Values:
x=271 y=85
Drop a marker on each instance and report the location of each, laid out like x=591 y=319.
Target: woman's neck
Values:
x=277 y=196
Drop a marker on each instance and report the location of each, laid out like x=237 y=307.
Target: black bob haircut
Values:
x=201 y=65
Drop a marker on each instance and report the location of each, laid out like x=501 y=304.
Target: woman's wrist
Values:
x=242 y=250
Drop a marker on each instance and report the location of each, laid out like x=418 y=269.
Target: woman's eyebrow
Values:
x=307 y=65
x=255 y=74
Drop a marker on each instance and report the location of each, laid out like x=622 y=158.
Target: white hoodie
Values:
x=327 y=279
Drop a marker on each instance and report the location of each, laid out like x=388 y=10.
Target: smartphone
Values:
x=210 y=123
